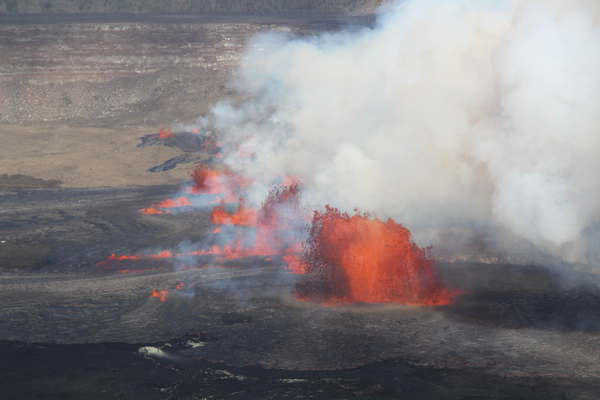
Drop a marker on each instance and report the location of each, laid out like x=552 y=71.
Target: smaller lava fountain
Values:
x=207 y=180
x=243 y=216
x=358 y=258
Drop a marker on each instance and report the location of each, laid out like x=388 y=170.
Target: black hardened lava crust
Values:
x=119 y=370
x=75 y=324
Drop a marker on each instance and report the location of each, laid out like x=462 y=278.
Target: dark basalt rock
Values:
x=120 y=370
x=185 y=141
x=204 y=143
x=182 y=159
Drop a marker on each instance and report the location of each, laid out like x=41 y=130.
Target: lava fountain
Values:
x=359 y=258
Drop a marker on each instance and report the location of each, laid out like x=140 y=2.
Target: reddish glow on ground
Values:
x=170 y=203
x=278 y=222
x=150 y=210
x=180 y=286
x=162 y=254
x=160 y=294
x=164 y=133
x=114 y=257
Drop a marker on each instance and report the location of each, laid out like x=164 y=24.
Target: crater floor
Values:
x=514 y=326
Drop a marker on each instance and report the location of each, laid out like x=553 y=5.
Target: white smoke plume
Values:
x=445 y=112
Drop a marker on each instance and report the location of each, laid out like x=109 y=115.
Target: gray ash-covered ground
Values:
x=73 y=320
x=119 y=370
x=10 y=183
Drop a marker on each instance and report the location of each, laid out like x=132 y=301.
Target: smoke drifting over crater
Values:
x=443 y=113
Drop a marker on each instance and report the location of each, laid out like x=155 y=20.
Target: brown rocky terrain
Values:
x=64 y=72
x=50 y=6
x=76 y=94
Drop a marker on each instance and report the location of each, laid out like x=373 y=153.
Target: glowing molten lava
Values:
x=359 y=258
x=164 y=134
x=180 y=286
x=278 y=223
x=114 y=257
x=170 y=203
x=160 y=294
x=150 y=210
x=294 y=264
x=242 y=216
x=162 y=254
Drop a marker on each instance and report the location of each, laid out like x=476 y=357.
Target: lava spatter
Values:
x=243 y=216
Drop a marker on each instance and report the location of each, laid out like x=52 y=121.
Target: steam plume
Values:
x=445 y=112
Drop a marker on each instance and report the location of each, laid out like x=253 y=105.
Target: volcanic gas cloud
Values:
x=444 y=112
x=207 y=180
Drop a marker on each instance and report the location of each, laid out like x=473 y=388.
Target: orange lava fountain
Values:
x=278 y=223
x=279 y=220
x=359 y=258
